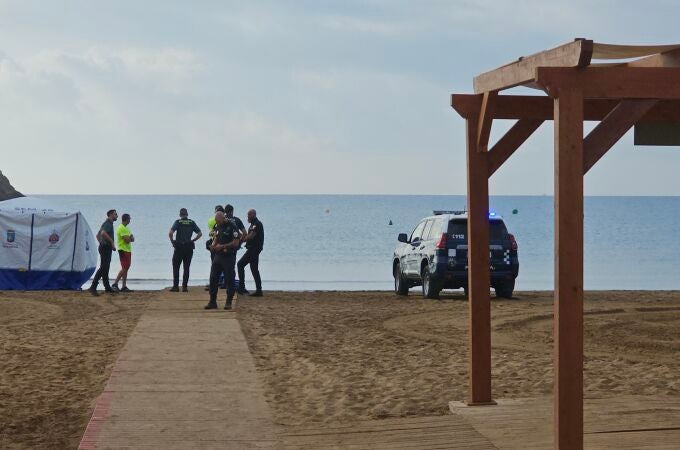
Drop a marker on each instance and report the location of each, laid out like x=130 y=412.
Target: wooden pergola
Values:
x=643 y=92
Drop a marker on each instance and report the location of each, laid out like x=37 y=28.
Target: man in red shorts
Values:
x=124 y=239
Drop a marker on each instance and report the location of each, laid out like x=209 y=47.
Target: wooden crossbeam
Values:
x=485 y=120
x=515 y=107
x=511 y=141
x=667 y=59
x=612 y=128
x=573 y=54
x=613 y=81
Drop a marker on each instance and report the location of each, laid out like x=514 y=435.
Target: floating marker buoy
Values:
x=514 y=211
x=390 y=222
x=328 y=210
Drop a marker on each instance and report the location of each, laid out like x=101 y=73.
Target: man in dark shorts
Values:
x=182 y=238
x=106 y=247
x=254 y=244
x=226 y=241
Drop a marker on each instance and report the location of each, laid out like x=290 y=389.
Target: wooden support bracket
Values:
x=612 y=128
x=511 y=141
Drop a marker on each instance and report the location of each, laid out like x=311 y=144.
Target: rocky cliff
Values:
x=7 y=191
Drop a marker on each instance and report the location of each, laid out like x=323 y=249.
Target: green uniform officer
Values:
x=183 y=233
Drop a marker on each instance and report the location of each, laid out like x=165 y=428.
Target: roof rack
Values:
x=438 y=212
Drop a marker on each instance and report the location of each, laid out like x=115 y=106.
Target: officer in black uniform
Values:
x=226 y=241
x=106 y=247
x=184 y=228
x=254 y=243
x=229 y=213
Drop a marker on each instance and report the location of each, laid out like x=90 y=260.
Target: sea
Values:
x=346 y=242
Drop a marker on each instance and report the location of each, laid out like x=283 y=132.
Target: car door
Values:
x=413 y=247
x=423 y=249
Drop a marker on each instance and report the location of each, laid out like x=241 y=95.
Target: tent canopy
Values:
x=44 y=246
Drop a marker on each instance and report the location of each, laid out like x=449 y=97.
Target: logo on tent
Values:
x=54 y=240
x=10 y=239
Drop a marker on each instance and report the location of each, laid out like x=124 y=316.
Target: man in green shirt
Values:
x=124 y=238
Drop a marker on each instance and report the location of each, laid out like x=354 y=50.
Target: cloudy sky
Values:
x=351 y=97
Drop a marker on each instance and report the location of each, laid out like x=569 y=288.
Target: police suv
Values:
x=434 y=256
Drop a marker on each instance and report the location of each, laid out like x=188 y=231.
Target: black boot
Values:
x=257 y=293
x=227 y=305
x=174 y=289
x=212 y=304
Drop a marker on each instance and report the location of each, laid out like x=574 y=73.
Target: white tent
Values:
x=44 y=246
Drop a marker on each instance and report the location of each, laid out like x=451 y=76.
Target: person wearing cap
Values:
x=182 y=238
x=225 y=243
x=124 y=238
x=254 y=244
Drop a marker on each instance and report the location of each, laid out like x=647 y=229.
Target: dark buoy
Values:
x=514 y=211
x=390 y=222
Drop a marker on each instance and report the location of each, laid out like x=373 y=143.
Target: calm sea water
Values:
x=331 y=242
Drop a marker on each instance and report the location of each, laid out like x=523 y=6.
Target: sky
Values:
x=289 y=97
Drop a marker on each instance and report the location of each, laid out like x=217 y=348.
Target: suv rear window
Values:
x=458 y=229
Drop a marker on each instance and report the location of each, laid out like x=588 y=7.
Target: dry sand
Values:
x=331 y=357
x=56 y=355
x=340 y=356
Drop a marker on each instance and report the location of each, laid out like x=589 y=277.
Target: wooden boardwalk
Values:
x=622 y=422
x=418 y=433
x=185 y=379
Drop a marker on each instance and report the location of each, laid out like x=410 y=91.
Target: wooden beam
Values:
x=573 y=54
x=479 y=392
x=485 y=120
x=511 y=141
x=568 y=317
x=612 y=128
x=613 y=81
x=614 y=51
x=667 y=59
x=515 y=107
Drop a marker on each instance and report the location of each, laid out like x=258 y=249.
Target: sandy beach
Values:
x=56 y=355
x=341 y=356
x=332 y=357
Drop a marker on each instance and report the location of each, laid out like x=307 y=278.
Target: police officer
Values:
x=254 y=243
x=229 y=213
x=183 y=241
x=226 y=241
x=106 y=247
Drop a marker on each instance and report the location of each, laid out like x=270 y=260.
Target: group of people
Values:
x=226 y=236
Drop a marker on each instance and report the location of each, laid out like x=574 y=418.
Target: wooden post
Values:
x=568 y=320
x=478 y=269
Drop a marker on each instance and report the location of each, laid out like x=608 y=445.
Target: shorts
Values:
x=125 y=259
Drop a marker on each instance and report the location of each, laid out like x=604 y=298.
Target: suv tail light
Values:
x=441 y=243
x=513 y=242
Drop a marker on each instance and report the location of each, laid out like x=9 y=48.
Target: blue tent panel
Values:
x=22 y=280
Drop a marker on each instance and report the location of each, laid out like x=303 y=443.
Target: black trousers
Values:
x=252 y=257
x=222 y=263
x=104 y=267
x=182 y=257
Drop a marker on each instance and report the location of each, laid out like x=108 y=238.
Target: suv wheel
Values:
x=430 y=287
x=504 y=288
x=400 y=285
